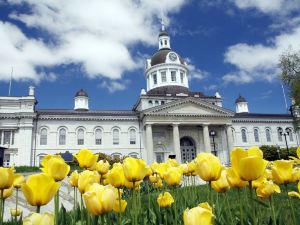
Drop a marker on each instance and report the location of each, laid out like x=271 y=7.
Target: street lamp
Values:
x=213 y=133
x=285 y=133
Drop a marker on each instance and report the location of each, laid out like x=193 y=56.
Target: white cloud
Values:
x=115 y=85
x=97 y=34
x=259 y=62
x=195 y=72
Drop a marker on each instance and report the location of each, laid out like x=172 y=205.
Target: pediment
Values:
x=189 y=106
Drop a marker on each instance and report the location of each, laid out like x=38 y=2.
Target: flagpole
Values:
x=286 y=106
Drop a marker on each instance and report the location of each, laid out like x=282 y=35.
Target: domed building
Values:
x=167 y=121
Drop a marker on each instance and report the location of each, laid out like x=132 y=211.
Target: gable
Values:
x=190 y=108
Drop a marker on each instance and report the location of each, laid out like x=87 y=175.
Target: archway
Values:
x=188 y=149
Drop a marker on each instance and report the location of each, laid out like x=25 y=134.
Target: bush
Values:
x=27 y=169
x=272 y=152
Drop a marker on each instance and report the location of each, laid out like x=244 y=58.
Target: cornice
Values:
x=90 y=118
x=260 y=121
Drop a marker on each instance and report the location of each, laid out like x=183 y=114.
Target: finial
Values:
x=162 y=25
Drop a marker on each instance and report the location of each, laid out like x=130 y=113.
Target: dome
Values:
x=240 y=99
x=81 y=92
x=170 y=89
x=163 y=33
x=160 y=57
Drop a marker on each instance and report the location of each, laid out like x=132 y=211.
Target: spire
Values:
x=163 y=37
x=162 y=25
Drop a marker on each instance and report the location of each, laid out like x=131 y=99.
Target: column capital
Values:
x=205 y=124
x=175 y=124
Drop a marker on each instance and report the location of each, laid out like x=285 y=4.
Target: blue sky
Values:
x=232 y=47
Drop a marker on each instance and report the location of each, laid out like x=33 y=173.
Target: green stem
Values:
x=1 y=206
x=252 y=203
x=74 y=207
x=272 y=210
x=56 y=207
x=241 y=207
x=166 y=216
x=17 y=193
x=81 y=209
x=96 y=220
x=38 y=209
x=290 y=205
x=120 y=207
x=175 y=206
x=134 y=204
x=229 y=208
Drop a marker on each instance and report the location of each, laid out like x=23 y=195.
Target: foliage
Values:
x=27 y=169
x=273 y=152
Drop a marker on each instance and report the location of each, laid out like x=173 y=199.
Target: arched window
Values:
x=244 y=135
x=132 y=136
x=256 y=135
x=279 y=134
x=98 y=137
x=62 y=136
x=116 y=138
x=268 y=135
x=133 y=155
x=80 y=136
x=43 y=137
x=290 y=134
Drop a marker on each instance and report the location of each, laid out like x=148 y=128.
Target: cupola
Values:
x=81 y=100
x=241 y=105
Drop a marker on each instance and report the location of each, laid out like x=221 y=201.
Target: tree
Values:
x=290 y=73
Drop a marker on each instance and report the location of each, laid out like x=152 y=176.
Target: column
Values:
x=149 y=143
x=176 y=142
x=229 y=137
x=206 y=138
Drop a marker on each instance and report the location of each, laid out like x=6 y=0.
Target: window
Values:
x=256 y=135
x=150 y=103
x=156 y=103
x=290 y=134
x=279 y=135
x=98 y=137
x=80 y=136
x=1 y=136
x=166 y=42
x=163 y=76
x=181 y=77
x=116 y=136
x=6 y=137
x=62 y=136
x=162 y=102
x=12 y=137
x=154 y=78
x=173 y=76
x=244 y=135
x=43 y=137
x=132 y=136
x=134 y=155
x=268 y=135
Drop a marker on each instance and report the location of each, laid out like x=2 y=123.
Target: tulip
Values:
x=149 y=171
x=158 y=184
x=160 y=168
x=297 y=160
x=7 y=178
x=221 y=185
x=294 y=193
x=295 y=175
x=184 y=168
x=116 y=176
x=120 y=206
x=282 y=171
x=99 y=199
x=7 y=193
x=87 y=178
x=234 y=180
x=208 y=166
x=173 y=176
x=86 y=158
x=102 y=167
x=56 y=167
x=39 y=189
x=134 y=169
x=172 y=162
x=154 y=179
x=266 y=189
x=15 y=212
x=165 y=200
x=19 y=179
x=201 y=214
x=39 y=219
x=73 y=180
x=248 y=164
x=192 y=168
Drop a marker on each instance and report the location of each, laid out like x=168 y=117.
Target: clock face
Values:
x=172 y=56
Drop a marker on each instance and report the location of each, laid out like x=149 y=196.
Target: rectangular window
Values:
x=115 y=137
x=154 y=79
x=80 y=142
x=1 y=136
x=62 y=139
x=6 y=137
x=181 y=77
x=13 y=137
x=163 y=77
x=98 y=135
x=173 y=76
x=132 y=137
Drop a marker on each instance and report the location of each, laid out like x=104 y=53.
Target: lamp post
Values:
x=213 y=133
x=285 y=133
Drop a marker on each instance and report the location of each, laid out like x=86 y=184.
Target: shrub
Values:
x=27 y=169
x=272 y=152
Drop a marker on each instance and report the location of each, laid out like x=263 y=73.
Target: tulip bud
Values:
x=134 y=169
x=15 y=213
x=117 y=207
x=39 y=219
x=102 y=167
x=86 y=158
x=7 y=178
x=165 y=200
x=73 y=180
x=201 y=214
x=208 y=166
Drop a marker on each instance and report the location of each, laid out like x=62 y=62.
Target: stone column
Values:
x=229 y=138
x=176 y=142
x=149 y=144
x=206 y=138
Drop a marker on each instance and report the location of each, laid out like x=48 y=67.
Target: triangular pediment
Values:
x=189 y=106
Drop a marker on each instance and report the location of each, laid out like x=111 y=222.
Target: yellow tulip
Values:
x=184 y=168
x=173 y=176
x=158 y=184
x=73 y=180
x=7 y=177
x=172 y=162
x=39 y=189
x=248 y=164
x=99 y=199
x=154 y=178
x=87 y=178
x=294 y=193
x=129 y=184
x=192 y=168
x=116 y=207
x=7 y=192
x=221 y=185
x=149 y=171
x=160 y=168
x=297 y=160
x=19 y=179
x=134 y=169
x=201 y=214
x=259 y=181
x=295 y=175
x=56 y=167
x=39 y=219
x=116 y=176
x=86 y=158
x=208 y=166
x=102 y=167
x=266 y=189
x=234 y=180
x=165 y=200
x=282 y=171
x=15 y=213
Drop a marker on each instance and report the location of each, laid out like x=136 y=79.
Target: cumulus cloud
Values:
x=259 y=62
x=115 y=85
x=195 y=72
x=98 y=35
